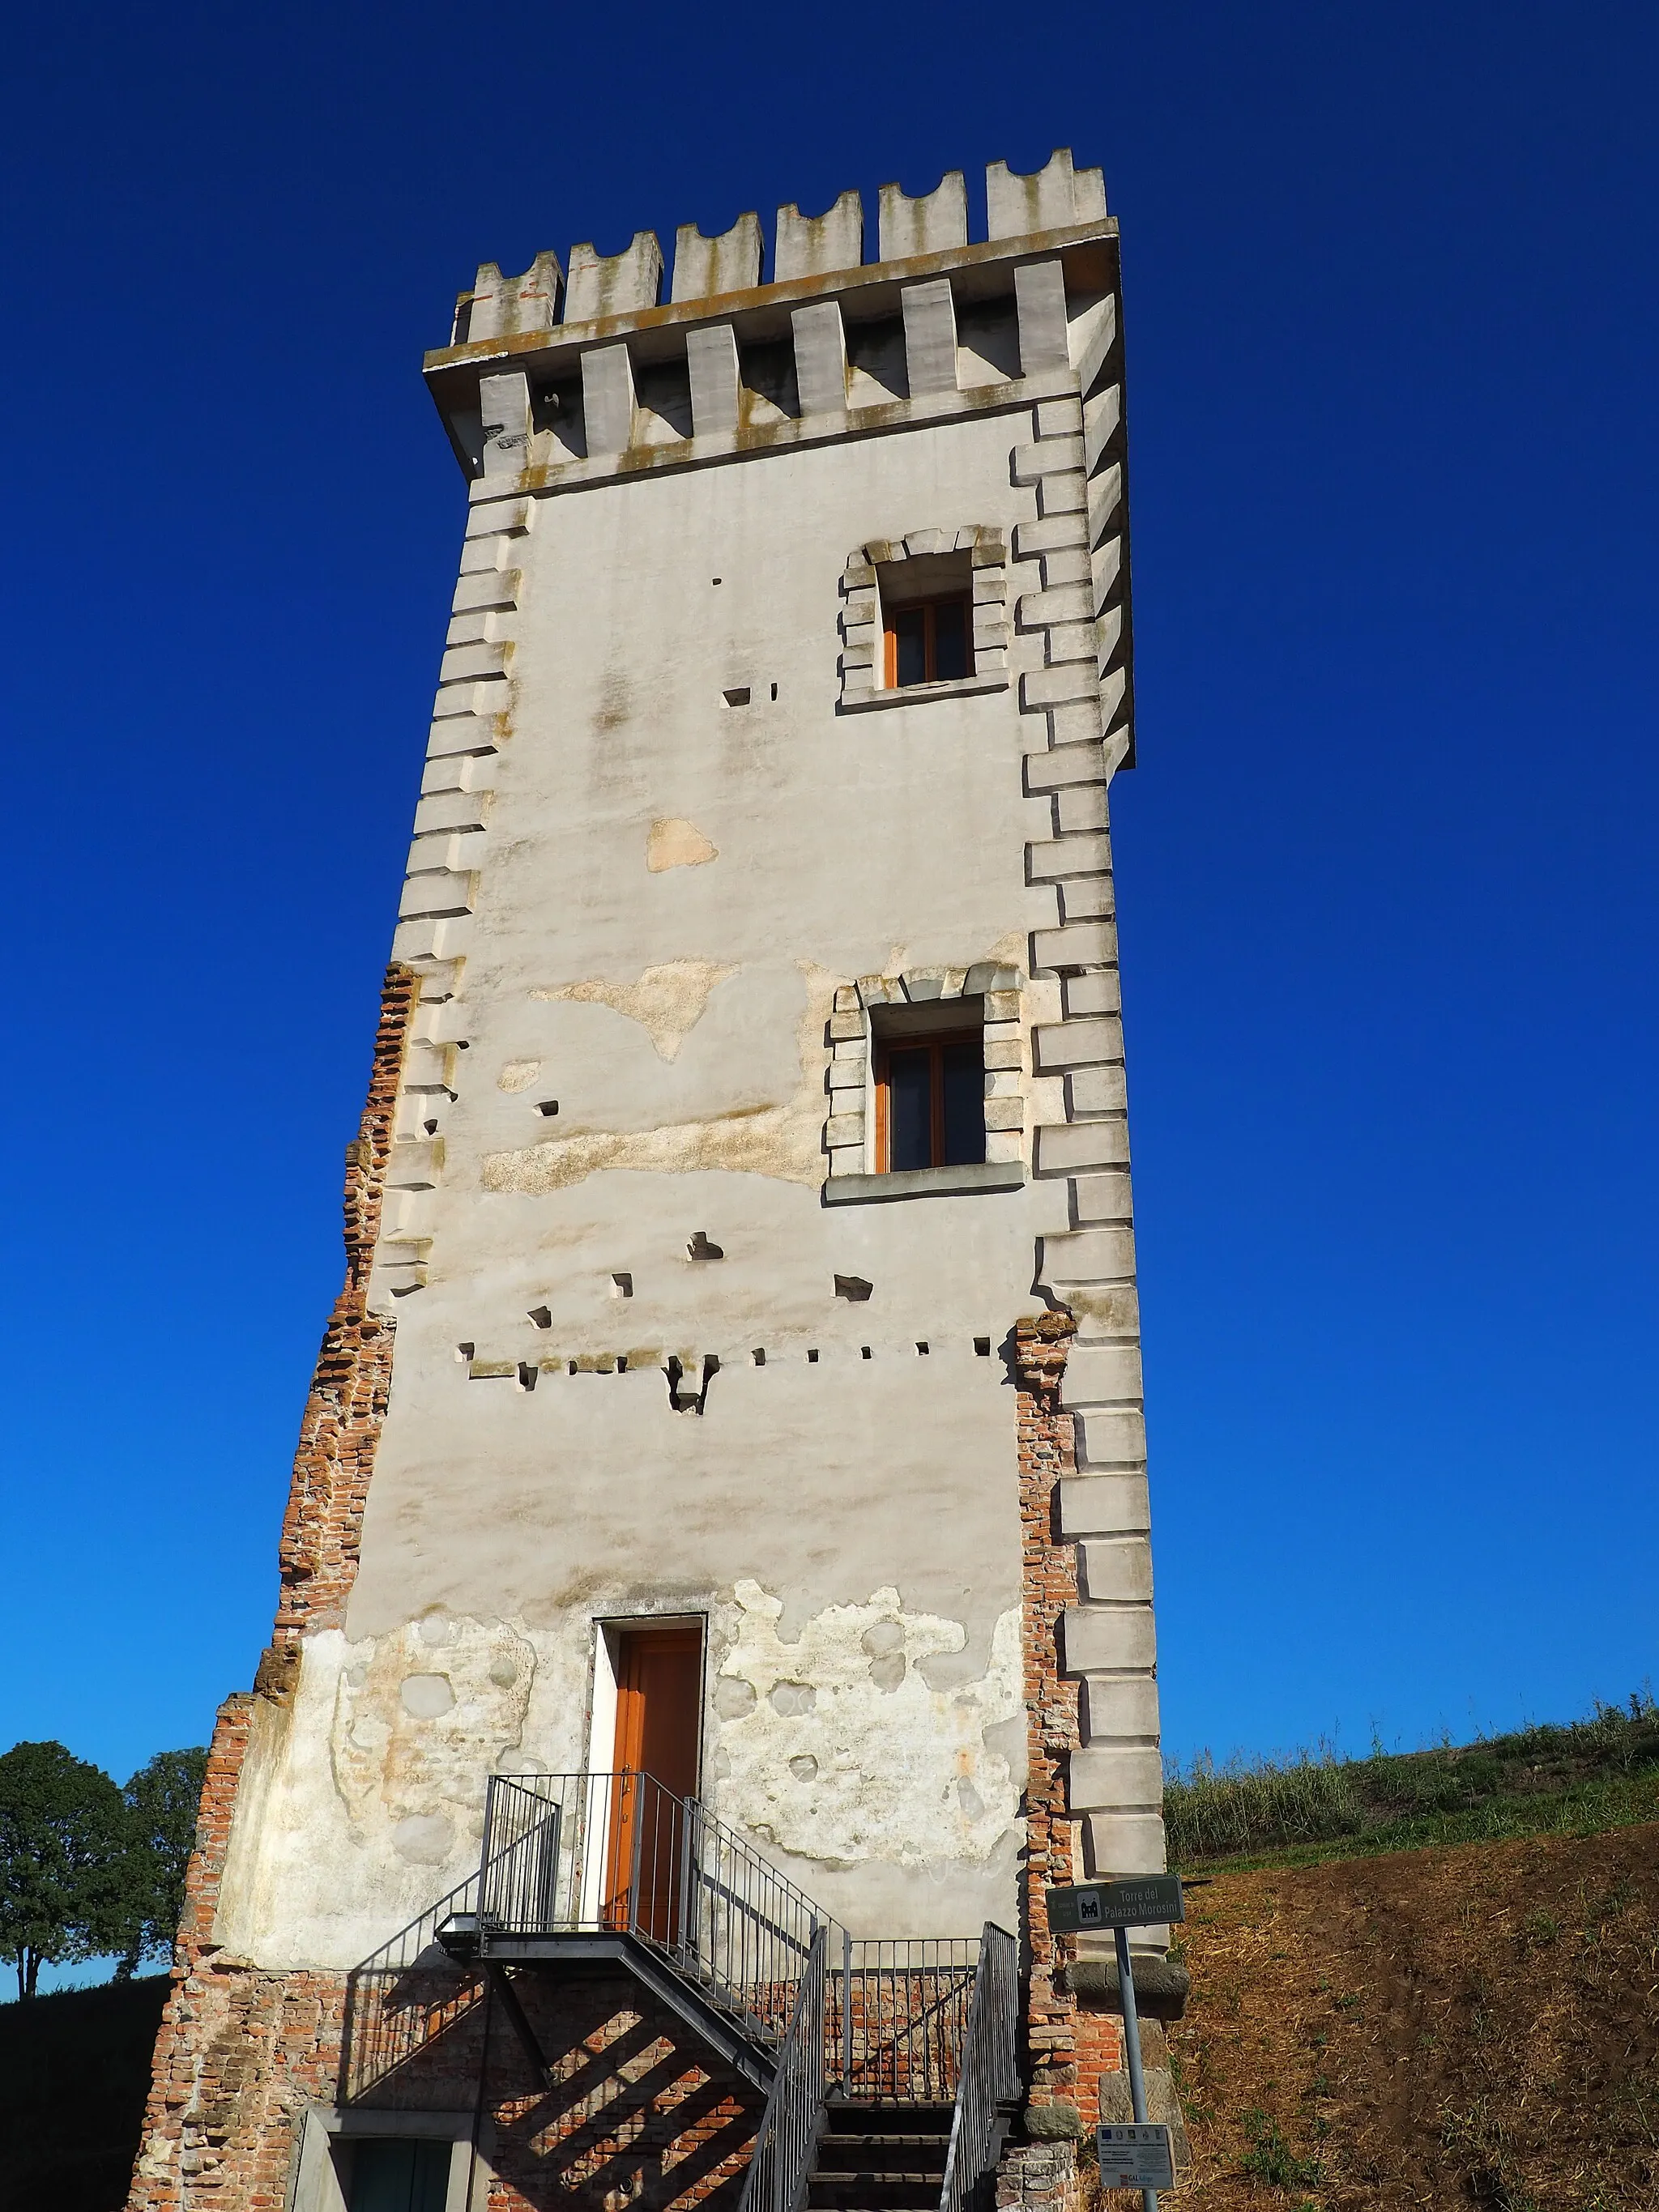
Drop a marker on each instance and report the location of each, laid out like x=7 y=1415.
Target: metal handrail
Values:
x=403 y=1994
x=580 y=1853
x=576 y=1853
x=900 y=2017
x=781 y=2161
x=989 y=2076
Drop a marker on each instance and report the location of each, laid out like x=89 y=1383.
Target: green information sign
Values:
x=1145 y=1900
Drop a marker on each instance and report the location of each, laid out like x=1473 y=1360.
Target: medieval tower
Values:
x=716 y=1594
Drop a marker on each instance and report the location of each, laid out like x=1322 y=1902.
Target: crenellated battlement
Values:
x=597 y=288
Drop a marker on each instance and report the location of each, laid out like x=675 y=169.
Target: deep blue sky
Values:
x=1388 y=903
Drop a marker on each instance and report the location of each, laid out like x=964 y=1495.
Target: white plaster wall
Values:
x=672 y=888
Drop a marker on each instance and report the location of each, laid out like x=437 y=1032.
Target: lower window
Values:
x=391 y=2174
x=930 y=1101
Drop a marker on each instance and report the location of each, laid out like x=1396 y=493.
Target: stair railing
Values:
x=403 y=1995
x=899 y=2017
x=989 y=2083
x=569 y=1854
x=784 y=2147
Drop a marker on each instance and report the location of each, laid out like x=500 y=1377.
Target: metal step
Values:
x=879 y=2158
x=882 y=2153
x=873 y=2192
x=852 y=2116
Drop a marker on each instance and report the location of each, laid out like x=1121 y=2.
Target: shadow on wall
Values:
x=636 y=2109
x=74 y=2078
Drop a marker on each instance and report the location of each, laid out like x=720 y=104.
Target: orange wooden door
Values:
x=658 y=1715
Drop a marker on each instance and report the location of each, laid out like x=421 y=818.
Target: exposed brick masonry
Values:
x=1068 y=2047
x=323 y=1526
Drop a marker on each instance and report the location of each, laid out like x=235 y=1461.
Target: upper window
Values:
x=927 y=608
x=930 y=1088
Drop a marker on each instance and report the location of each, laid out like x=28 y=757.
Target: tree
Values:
x=162 y=1800
x=65 y=1863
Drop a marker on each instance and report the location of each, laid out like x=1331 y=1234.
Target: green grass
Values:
x=1270 y=2158
x=1579 y=1779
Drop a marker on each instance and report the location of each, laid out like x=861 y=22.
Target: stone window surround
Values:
x=849 y=1128
x=315 y=2184
x=861 y=616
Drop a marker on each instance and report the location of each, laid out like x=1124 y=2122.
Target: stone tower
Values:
x=723 y=1491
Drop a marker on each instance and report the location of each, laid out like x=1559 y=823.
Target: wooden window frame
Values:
x=928 y=610
x=933 y=1042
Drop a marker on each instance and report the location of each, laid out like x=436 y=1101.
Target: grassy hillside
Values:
x=74 y=2075
x=1583 y=1778
x=1466 y=2026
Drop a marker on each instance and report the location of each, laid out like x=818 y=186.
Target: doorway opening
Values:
x=658 y=1676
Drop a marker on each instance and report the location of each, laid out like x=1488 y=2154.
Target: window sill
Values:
x=914 y=695
x=925 y=1183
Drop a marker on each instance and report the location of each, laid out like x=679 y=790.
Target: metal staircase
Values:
x=888 y=2067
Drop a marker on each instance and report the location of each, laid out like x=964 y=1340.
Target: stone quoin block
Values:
x=1104 y=1505
x=1125 y=1843
x=1083 y=995
x=1086 y=1255
x=1102 y=1780
x=1102 y=1198
x=1060 y=1045
x=1065 y=1150
x=1119 y=1706
x=1108 y=1437
x=1104 y=1638
x=1081 y=945
x=1091 y=1090
x=1117 y=1570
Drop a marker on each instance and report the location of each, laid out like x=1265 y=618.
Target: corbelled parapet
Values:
x=575 y=373
x=602 y=287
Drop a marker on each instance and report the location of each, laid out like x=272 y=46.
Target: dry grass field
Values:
x=1467 y=2026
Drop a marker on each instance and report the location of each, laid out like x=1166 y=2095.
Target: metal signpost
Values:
x=1145 y=2160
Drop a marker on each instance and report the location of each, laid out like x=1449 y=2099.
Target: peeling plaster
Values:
x=678 y=844
x=409 y=1737
x=363 y=1801
x=668 y=1001
x=785 y=1141
x=519 y=1074
x=837 y=1751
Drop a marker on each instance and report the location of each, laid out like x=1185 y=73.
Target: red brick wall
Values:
x=1068 y=2048
x=323 y=1527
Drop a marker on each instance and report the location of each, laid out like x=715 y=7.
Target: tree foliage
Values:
x=64 y=1868
x=87 y=1870
x=162 y=1800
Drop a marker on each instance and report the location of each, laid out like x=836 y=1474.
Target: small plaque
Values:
x=1137 y=2154
x=1146 y=1900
